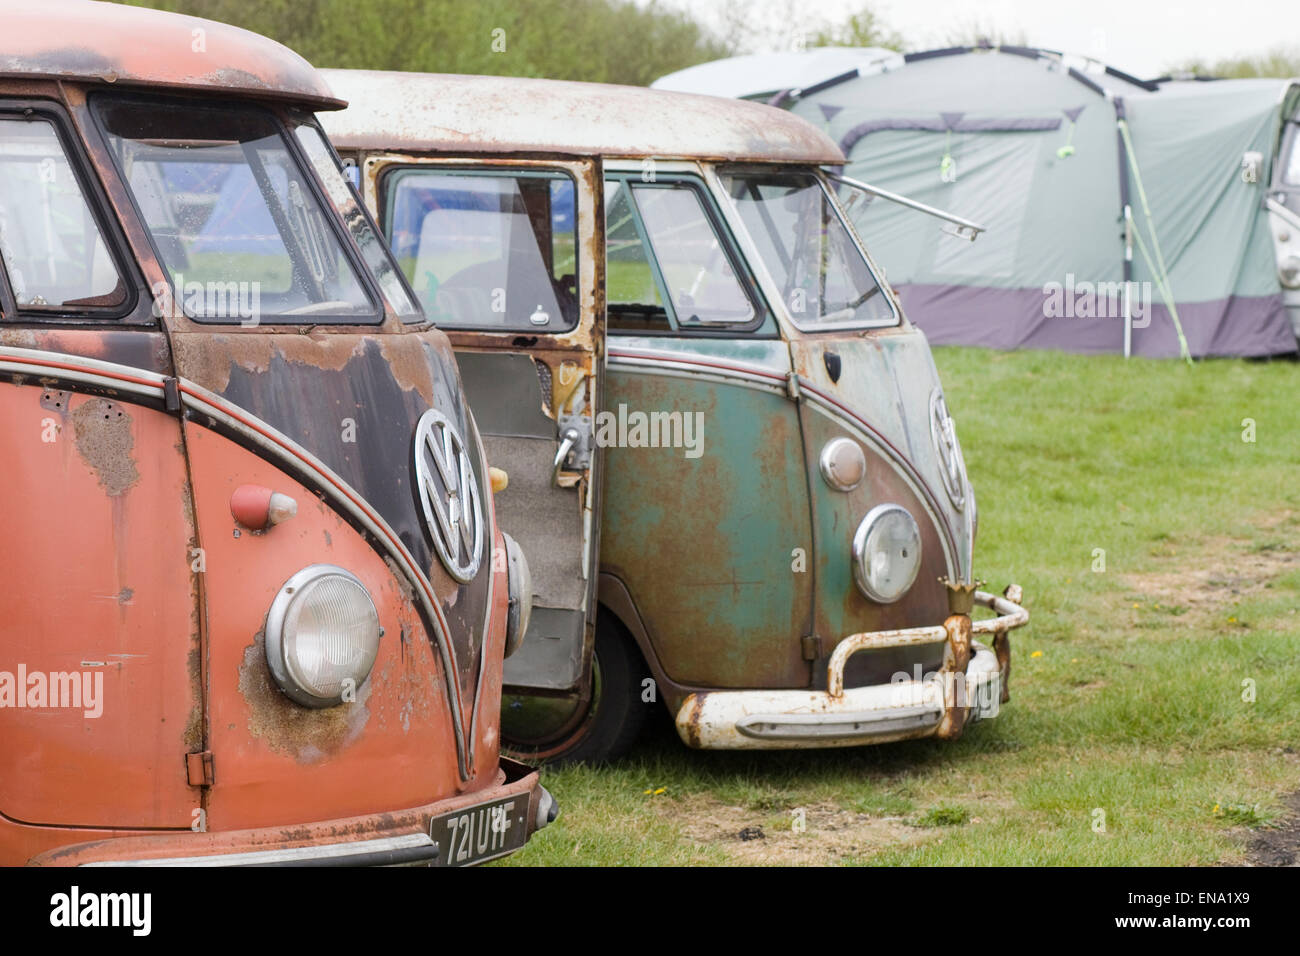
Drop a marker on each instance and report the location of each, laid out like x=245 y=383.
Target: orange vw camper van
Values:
x=255 y=598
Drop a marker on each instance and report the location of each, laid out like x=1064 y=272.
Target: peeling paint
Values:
x=104 y=441
x=408 y=364
x=306 y=734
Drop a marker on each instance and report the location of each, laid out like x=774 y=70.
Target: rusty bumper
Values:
x=971 y=685
x=419 y=836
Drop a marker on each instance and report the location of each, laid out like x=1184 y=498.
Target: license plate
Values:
x=479 y=833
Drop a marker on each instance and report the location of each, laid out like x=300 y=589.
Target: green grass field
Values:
x=1155 y=708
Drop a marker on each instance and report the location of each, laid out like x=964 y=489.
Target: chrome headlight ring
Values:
x=886 y=553
x=520 y=587
x=842 y=463
x=322 y=635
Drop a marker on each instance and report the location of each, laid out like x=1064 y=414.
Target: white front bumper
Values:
x=787 y=719
x=845 y=717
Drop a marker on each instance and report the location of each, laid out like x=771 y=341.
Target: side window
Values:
x=668 y=268
x=54 y=254
x=487 y=250
x=632 y=296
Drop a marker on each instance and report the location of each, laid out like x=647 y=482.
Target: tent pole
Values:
x=1128 y=280
x=1117 y=103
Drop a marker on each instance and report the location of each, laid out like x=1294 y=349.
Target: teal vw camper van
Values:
x=730 y=459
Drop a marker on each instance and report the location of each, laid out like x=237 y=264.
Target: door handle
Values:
x=567 y=441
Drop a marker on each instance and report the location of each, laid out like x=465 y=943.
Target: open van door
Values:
x=500 y=252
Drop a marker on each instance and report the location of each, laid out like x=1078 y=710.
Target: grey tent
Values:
x=1119 y=212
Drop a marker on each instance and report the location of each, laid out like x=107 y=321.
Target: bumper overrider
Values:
x=465 y=829
x=970 y=685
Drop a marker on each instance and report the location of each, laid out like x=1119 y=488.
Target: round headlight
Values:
x=886 y=553
x=322 y=635
x=1289 y=272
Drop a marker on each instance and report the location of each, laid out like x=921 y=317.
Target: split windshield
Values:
x=233 y=215
x=824 y=279
x=1291 y=170
x=360 y=225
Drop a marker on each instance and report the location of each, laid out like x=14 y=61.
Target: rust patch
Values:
x=692 y=721
x=465 y=114
x=323 y=350
x=410 y=690
x=400 y=580
x=192 y=737
x=209 y=359
x=19 y=338
x=956 y=657
x=194 y=660
x=303 y=733
x=104 y=441
x=137 y=348
x=407 y=364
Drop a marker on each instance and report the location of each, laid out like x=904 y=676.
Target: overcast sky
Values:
x=1141 y=36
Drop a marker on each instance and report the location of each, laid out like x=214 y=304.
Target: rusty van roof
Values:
x=428 y=112
x=109 y=43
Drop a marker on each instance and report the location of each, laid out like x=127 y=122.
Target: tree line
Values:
x=604 y=41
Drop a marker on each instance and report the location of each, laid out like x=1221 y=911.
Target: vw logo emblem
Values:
x=944 y=435
x=448 y=495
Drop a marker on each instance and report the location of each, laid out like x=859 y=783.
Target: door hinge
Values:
x=198 y=769
x=792 y=386
x=171 y=394
x=811 y=646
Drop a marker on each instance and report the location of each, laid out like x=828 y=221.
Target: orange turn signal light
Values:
x=258 y=507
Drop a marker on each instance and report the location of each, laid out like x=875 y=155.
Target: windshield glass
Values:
x=1291 y=173
x=487 y=249
x=53 y=251
x=233 y=215
x=825 y=281
x=359 y=224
